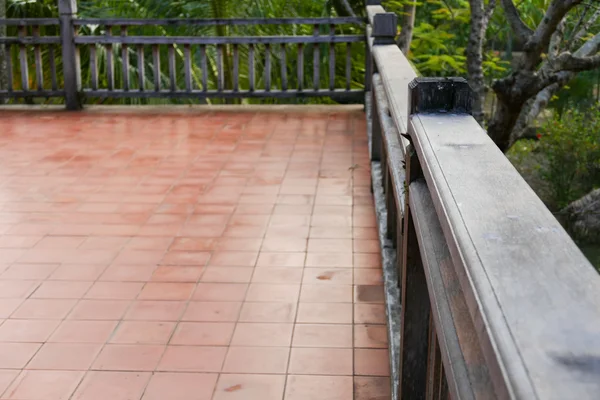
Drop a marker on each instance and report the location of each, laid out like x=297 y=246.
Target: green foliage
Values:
x=571 y=148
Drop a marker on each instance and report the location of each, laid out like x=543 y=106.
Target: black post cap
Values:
x=440 y=95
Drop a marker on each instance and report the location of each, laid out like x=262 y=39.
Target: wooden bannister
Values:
x=495 y=300
x=124 y=74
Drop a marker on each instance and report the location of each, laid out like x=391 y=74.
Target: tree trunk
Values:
x=475 y=57
x=408 y=26
x=3 y=66
x=582 y=218
x=343 y=8
x=502 y=123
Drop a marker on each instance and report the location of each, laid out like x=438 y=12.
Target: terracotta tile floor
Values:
x=189 y=255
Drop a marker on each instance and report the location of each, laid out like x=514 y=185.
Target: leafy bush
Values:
x=570 y=146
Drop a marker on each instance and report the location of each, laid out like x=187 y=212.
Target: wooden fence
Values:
x=73 y=44
x=496 y=301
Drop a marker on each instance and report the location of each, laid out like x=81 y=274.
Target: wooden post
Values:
x=68 y=11
x=382 y=33
x=385 y=28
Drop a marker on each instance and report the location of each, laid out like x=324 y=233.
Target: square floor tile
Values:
x=278 y=259
x=8 y=306
x=369 y=294
x=62 y=290
x=114 y=290
x=368 y=276
x=262 y=334
x=369 y=313
x=227 y=274
x=322 y=335
x=220 y=292
x=326 y=294
x=155 y=310
x=44 y=309
x=17 y=289
x=27 y=330
x=324 y=313
x=6 y=378
x=127 y=273
x=102 y=385
x=273 y=292
x=329 y=260
x=327 y=276
x=180 y=386
x=128 y=357
x=257 y=360
x=249 y=387
x=268 y=312
x=320 y=361
x=193 y=359
x=65 y=356
x=17 y=355
x=233 y=258
x=99 y=309
x=203 y=333
x=167 y=273
x=83 y=331
x=370 y=336
x=304 y=387
x=283 y=275
x=166 y=291
x=47 y=385
x=204 y=311
x=371 y=388
x=372 y=362
x=143 y=332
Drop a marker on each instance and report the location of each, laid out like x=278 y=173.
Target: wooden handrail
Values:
x=496 y=299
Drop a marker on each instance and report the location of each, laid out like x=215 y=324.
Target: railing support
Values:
x=71 y=71
x=384 y=27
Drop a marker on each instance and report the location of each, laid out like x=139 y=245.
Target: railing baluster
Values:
x=39 y=71
x=220 y=74
x=141 y=67
x=188 y=66
x=348 y=65
x=23 y=60
x=125 y=60
x=416 y=308
x=9 y=68
x=316 y=61
x=332 y=59
x=251 y=67
x=94 y=66
x=156 y=60
x=300 y=68
x=110 y=67
x=236 y=68
x=52 y=60
x=172 y=66
x=284 y=84
x=267 y=68
x=67 y=10
x=204 y=67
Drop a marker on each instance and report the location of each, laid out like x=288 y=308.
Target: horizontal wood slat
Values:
x=214 y=40
x=213 y=22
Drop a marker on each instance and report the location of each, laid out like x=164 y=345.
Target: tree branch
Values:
x=490 y=9
x=521 y=30
x=539 y=41
x=570 y=62
x=584 y=29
